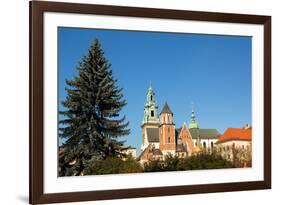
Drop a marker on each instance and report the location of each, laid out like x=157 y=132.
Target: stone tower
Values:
x=167 y=131
x=150 y=122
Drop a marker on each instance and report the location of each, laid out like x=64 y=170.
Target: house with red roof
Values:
x=236 y=145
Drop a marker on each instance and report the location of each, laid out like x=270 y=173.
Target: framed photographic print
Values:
x=138 y=102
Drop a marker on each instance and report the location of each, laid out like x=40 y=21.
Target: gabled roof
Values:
x=204 y=133
x=144 y=151
x=166 y=109
x=236 y=134
x=152 y=134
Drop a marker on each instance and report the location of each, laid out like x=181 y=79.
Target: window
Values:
x=168 y=130
x=151 y=98
x=152 y=113
x=204 y=145
x=242 y=146
x=168 y=118
x=212 y=145
x=169 y=139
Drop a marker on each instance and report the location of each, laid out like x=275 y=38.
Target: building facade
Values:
x=160 y=137
x=236 y=145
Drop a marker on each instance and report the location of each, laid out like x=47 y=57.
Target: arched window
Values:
x=168 y=119
x=169 y=139
x=212 y=145
x=151 y=98
x=152 y=113
x=204 y=145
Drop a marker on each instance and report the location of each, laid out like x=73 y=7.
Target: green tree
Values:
x=171 y=163
x=115 y=165
x=154 y=166
x=204 y=161
x=91 y=124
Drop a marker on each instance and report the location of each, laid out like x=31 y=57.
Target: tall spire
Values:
x=150 y=99
x=150 y=107
x=193 y=123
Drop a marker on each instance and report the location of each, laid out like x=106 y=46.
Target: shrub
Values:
x=195 y=162
x=114 y=165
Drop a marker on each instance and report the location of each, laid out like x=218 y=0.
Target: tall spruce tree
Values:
x=91 y=125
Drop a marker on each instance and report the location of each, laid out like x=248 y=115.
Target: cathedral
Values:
x=160 y=136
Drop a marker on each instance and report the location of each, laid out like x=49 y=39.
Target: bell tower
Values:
x=150 y=122
x=193 y=123
x=167 y=131
x=150 y=108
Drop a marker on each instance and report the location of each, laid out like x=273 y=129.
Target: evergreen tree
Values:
x=91 y=125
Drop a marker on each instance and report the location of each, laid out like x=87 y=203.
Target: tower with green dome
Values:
x=193 y=123
x=150 y=108
x=150 y=122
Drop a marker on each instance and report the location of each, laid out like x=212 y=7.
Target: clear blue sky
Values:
x=212 y=71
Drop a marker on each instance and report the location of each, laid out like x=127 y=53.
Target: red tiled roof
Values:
x=236 y=134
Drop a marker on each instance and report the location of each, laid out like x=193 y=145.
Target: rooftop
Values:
x=204 y=133
x=166 y=109
x=236 y=134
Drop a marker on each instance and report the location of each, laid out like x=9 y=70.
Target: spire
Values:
x=166 y=109
x=150 y=107
x=193 y=123
x=150 y=99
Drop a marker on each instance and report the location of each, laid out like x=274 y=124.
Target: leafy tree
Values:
x=171 y=163
x=204 y=161
x=242 y=157
x=91 y=125
x=154 y=166
x=194 y=162
x=114 y=165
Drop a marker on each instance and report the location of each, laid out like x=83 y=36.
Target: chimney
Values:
x=247 y=126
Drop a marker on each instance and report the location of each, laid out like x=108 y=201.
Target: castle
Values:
x=160 y=136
